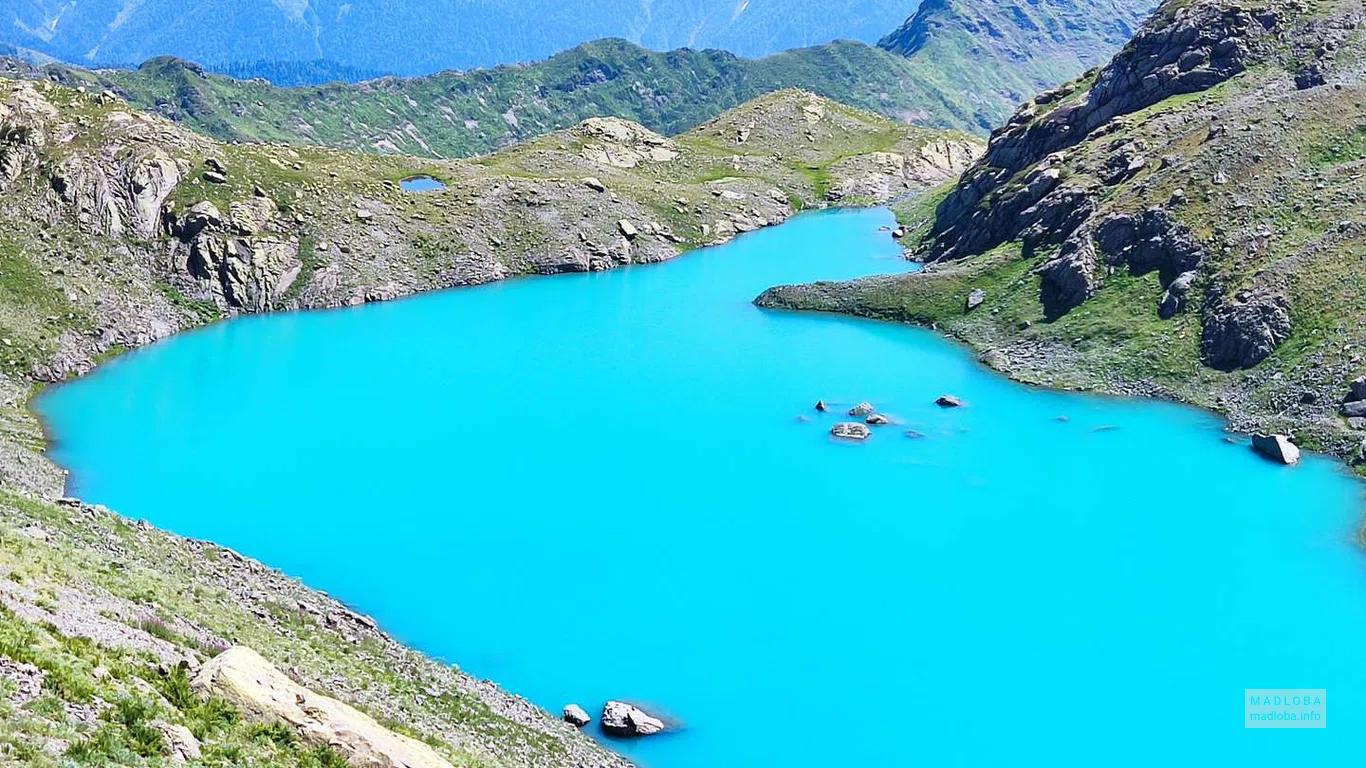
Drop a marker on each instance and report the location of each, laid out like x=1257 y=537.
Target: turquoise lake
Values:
x=602 y=486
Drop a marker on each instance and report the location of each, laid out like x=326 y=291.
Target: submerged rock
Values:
x=622 y=719
x=576 y=716
x=948 y=401
x=851 y=431
x=1277 y=448
x=862 y=409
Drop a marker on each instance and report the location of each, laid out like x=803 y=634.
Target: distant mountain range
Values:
x=962 y=64
x=419 y=37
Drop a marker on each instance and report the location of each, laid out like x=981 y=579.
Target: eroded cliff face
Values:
x=1185 y=221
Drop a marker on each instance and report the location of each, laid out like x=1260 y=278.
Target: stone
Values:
x=216 y=165
x=1355 y=409
x=878 y=420
x=576 y=716
x=1356 y=390
x=182 y=747
x=622 y=719
x=240 y=676
x=1068 y=279
x=821 y=406
x=202 y=215
x=976 y=298
x=1278 y=448
x=628 y=230
x=948 y=401
x=365 y=214
x=214 y=177
x=593 y=183
x=1245 y=331
x=851 y=431
x=862 y=409
x=1174 y=300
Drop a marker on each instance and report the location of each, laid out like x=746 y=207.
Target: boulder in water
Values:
x=821 y=407
x=576 y=716
x=851 y=431
x=1278 y=448
x=948 y=401
x=622 y=719
x=862 y=409
x=877 y=420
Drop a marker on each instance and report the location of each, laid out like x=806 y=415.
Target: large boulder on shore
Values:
x=1277 y=448
x=622 y=719
x=1355 y=409
x=240 y=676
x=576 y=716
x=1356 y=391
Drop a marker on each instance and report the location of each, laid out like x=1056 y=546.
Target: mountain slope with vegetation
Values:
x=119 y=228
x=962 y=65
x=1186 y=223
x=420 y=37
x=992 y=56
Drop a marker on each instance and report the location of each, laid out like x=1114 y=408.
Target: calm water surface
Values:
x=598 y=486
x=421 y=184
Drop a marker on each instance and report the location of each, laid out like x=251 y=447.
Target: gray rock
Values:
x=976 y=298
x=1068 y=279
x=1357 y=390
x=851 y=431
x=877 y=420
x=181 y=745
x=948 y=401
x=1174 y=300
x=216 y=165
x=593 y=183
x=821 y=407
x=214 y=177
x=1278 y=448
x=622 y=719
x=576 y=716
x=862 y=409
x=628 y=229
x=1355 y=409
x=1243 y=332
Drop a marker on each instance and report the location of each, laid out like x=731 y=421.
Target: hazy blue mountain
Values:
x=410 y=37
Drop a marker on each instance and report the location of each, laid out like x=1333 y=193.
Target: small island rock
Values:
x=862 y=409
x=877 y=420
x=851 y=431
x=1277 y=448
x=622 y=719
x=576 y=716
x=821 y=406
x=948 y=401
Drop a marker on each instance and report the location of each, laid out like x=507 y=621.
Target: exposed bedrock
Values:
x=1243 y=330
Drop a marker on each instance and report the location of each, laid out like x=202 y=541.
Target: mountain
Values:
x=934 y=77
x=1184 y=223
x=419 y=37
x=994 y=54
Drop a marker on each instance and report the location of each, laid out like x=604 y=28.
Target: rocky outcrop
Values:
x=1149 y=242
x=1243 y=331
x=622 y=719
x=239 y=675
x=1278 y=448
x=862 y=409
x=621 y=143
x=1068 y=279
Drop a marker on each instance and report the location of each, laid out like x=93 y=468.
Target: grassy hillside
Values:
x=1186 y=223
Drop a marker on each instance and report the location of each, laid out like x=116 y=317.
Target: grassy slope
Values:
x=1271 y=182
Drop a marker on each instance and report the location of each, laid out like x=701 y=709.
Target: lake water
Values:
x=421 y=184
x=601 y=486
